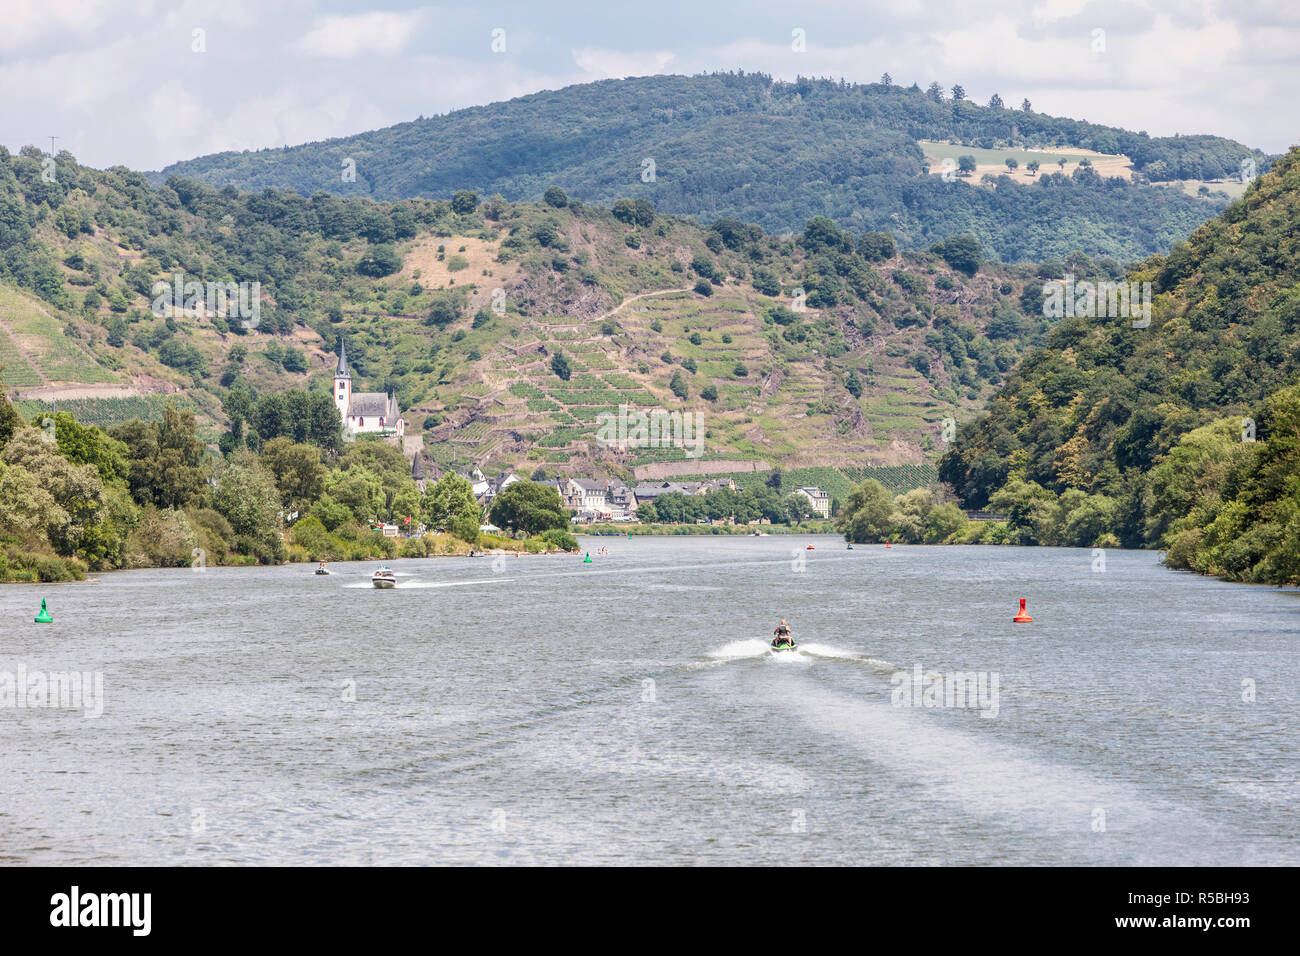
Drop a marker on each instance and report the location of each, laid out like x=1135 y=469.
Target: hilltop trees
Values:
x=464 y=202
x=1179 y=435
x=962 y=253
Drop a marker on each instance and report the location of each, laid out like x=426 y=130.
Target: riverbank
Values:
x=20 y=567
x=622 y=530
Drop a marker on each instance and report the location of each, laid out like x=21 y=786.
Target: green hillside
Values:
x=770 y=153
x=1181 y=435
x=825 y=349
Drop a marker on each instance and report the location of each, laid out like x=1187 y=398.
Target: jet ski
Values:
x=322 y=570
x=784 y=644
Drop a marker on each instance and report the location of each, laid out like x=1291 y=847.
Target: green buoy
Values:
x=587 y=559
x=45 y=617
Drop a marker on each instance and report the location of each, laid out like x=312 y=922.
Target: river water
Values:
x=544 y=710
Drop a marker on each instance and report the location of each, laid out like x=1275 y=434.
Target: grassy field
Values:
x=994 y=160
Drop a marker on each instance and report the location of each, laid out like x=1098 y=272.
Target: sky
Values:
x=143 y=84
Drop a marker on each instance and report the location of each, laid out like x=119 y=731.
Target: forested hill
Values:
x=774 y=154
x=1184 y=435
x=504 y=330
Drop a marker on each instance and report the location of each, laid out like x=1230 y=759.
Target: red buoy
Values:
x=886 y=544
x=811 y=548
x=1022 y=617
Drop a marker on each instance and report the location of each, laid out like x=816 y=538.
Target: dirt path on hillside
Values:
x=640 y=295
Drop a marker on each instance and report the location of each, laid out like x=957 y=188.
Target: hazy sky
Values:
x=135 y=84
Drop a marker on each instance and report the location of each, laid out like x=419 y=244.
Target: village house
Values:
x=818 y=499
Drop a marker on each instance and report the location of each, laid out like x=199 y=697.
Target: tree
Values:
x=379 y=261
x=703 y=287
x=962 y=253
x=797 y=507
x=464 y=202
x=1032 y=166
x=76 y=490
x=529 y=508
x=886 y=79
x=774 y=479
x=854 y=383
x=450 y=506
x=866 y=515
x=555 y=197
x=359 y=489
x=678 y=385
x=958 y=92
x=1025 y=107
x=875 y=247
x=935 y=92
x=448 y=307
x=966 y=164
x=995 y=102
x=165 y=459
x=246 y=496
x=624 y=210
x=560 y=366
x=1061 y=162
x=297 y=471
x=1012 y=163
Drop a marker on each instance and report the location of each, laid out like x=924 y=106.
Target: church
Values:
x=364 y=412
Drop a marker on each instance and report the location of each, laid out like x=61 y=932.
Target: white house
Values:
x=364 y=412
x=820 y=500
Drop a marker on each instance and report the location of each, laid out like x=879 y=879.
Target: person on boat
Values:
x=782 y=633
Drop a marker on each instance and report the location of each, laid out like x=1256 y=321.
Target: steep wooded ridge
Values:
x=770 y=153
x=468 y=311
x=1184 y=435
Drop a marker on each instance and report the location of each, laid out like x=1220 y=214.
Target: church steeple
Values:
x=343 y=385
x=342 y=370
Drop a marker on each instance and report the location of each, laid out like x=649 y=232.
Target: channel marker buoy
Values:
x=587 y=559
x=1022 y=617
x=45 y=617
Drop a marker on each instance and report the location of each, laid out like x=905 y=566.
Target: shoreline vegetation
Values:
x=77 y=499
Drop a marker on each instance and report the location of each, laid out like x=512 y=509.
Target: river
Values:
x=544 y=710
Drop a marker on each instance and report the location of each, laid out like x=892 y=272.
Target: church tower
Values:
x=343 y=384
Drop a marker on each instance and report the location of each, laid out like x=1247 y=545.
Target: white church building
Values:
x=373 y=412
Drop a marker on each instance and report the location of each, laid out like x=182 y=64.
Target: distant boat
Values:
x=322 y=569
x=384 y=578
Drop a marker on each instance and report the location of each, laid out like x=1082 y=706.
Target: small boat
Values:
x=322 y=570
x=384 y=578
x=787 y=644
x=849 y=548
x=811 y=548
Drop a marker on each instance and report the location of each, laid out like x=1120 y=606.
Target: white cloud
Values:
x=366 y=34
x=26 y=22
